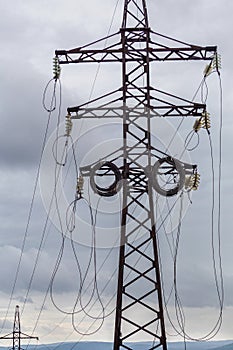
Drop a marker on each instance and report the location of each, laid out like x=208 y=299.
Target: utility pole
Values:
x=17 y=335
x=139 y=306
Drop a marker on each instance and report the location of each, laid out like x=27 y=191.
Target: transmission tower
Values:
x=17 y=335
x=139 y=308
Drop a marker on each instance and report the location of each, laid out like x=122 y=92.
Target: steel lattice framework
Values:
x=17 y=335
x=139 y=309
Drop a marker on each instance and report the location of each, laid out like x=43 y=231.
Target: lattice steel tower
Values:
x=139 y=309
x=17 y=335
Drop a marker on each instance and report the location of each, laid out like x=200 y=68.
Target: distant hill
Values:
x=211 y=345
x=224 y=347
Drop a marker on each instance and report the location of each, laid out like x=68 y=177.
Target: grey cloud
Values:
x=22 y=300
x=30 y=34
x=8 y=325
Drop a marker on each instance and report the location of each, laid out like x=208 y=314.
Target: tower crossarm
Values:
x=166 y=110
x=182 y=54
x=114 y=52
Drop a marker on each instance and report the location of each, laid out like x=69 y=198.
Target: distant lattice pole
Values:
x=17 y=335
x=16 y=330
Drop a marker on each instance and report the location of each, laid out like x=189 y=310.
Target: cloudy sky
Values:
x=30 y=32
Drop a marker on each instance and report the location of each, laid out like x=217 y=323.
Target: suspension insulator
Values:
x=79 y=187
x=105 y=179
x=205 y=121
x=56 y=68
x=214 y=65
x=69 y=125
x=195 y=181
x=217 y=62
x=168 y=176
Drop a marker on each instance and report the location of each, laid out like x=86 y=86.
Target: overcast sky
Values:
x=30 y=32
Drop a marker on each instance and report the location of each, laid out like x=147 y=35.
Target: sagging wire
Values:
x=61 y=249
x=79 y=185
x=52 y=107
x=69 y=229
x=205 y=123
x=82 y=279
x=60 y=254
x=79 y=189
x=97 y=272
x=178 y=305
x=95 y=285
x=219 y=288
x=219 y=183
x=193 y=182
x=56 y=77
x=93 y=89
x=129 y=273
x=179 y=311
x=63 y=237
x=57 y=65
x=47 y=291
x=47 y=218
x=114 y=295
x=70 y=226
x=204 y=120
x=114 y=274
x=200 y=88
x=174 y=257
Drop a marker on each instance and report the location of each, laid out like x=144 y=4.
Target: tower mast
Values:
x=139 y=238
x=139 y=307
